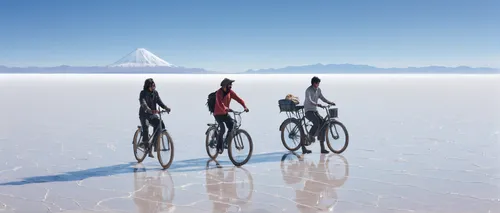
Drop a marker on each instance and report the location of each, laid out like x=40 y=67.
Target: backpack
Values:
x=211 y=102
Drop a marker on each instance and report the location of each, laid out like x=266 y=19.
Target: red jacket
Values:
x=222 y=103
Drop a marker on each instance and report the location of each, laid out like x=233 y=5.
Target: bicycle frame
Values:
x=155 y=132
x=236 y=119
x=305 y=123
x=237 y=124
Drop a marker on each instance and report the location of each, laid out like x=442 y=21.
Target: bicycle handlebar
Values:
x=162 y=111
x=236 y=112
x=327 y=106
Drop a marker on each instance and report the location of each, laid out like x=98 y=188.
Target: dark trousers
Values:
x=221 y=120
x=153 y=120
x=317 y=121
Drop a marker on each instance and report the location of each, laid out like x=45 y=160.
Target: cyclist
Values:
x=148 y=99
x=313 y=93
x=223 y=98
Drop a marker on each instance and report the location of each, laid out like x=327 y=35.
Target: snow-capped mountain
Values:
x=141 y=58
x=138 y=61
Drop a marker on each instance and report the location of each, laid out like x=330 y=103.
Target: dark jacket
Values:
x=148 y=101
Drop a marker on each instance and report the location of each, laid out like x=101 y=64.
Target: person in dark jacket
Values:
x=148 y=99
x=223 y=98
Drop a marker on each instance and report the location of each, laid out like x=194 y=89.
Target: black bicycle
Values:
x=298 y=126
x=236 y=136
x=162 y=142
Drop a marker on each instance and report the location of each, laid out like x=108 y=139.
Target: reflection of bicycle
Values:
x=235 y=135
x=293 y=166
x=298 y=126
x=160 y=135
x=223 y=186
x=319 y=181
x=153 y=193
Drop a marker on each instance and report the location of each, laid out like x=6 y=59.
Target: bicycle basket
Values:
x=286 y=105
x=333 y=112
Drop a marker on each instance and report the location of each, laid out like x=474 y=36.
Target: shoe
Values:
x=323 y=150
x=306 y=151
x=143 y=144
x=151 y=155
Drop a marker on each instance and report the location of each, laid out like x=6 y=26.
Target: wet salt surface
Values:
x=411 y=150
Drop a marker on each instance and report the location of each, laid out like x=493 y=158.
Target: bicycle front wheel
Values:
x=240 y=143
x=165 y=149
x=337 y=137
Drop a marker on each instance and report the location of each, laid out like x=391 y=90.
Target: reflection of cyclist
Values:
x=311 y=195
x=149 y=193
x=222 y=190
x=319 y=188
x=313 y=93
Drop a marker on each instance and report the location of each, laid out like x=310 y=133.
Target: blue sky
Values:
x=240 y=35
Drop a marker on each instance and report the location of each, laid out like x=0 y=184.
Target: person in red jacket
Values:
x=223 y=98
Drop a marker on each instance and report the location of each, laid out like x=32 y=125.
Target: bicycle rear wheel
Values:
x=238 y=143
x=334 y=139
x=165 y=149
x=211 y=143
x=139 y=153
x=292 y=135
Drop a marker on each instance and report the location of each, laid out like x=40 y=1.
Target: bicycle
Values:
x=161 y=131
x=296 y=116
x=211 y=139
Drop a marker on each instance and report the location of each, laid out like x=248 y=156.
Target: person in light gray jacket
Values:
x=313 y=93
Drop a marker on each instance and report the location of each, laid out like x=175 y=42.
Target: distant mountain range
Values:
x=365 y=69
x=104 y=70
x=142 y=61
x=138 y=61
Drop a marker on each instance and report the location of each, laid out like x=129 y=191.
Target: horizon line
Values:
x=271 y=68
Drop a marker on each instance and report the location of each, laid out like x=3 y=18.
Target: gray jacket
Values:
x=311 y=100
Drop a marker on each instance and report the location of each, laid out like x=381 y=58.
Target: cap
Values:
x=226 y=81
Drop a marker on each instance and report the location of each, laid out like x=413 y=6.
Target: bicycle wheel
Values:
x=334 y=138
x=291 y=168
x=337 y=178
x=165 y=149
x=239 y=145
x=166 y=191
x=139 y=153
x=295 y=136
x=211 y=143
x=242 y=185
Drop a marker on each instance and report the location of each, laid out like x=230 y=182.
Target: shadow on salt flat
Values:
x=191 y=165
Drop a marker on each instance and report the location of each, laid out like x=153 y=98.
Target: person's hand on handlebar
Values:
x=246 y=109
x=168 y=110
